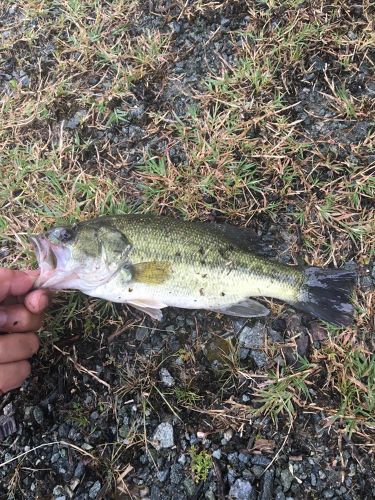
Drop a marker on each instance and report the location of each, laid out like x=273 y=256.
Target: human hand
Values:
x=20 y=315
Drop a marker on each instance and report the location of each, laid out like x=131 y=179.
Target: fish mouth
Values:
x=52 y=261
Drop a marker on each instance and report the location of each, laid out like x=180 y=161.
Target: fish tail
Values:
x=326 y=294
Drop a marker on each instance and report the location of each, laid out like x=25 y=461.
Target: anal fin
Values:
x=245 y=309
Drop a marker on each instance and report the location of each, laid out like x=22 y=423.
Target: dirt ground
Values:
x=258 y=113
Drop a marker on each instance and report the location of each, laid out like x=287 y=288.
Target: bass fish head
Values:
x=81 y=257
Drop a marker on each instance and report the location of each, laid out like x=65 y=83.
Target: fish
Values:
x=153 y=262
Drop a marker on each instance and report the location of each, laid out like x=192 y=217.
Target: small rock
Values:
x=8 y=410
x=313 y=479
x=58 y=491
x=144 y=492
x=8 y=426
x=253 y=337
x=76 y=120
x=241 y=490
x=162 y=475
x=38 y=415
x=257 y=470
x=286 y=479
x=123 y=431
x=228 y=435
x=260 y=460
x=166 y=378
x=189 y=486
x=233 y=458
x=163 y=436
x=259 y=358
x=79 y=470
x=175 y=26
x=176 y=473
x=94 y=490
x=217 y=454
x=55 y=457
x=318 y=332
x=141 y=333
x=266 y=485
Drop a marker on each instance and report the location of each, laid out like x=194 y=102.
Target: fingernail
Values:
x=3 y=318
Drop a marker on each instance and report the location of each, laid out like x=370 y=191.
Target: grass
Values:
x=284 y=392
x=90 y=125
x=351 y=375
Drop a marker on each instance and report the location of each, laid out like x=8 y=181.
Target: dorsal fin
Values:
x=246 y=239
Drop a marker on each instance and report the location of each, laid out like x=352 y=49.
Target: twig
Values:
x=79 y=367
x=63 y=443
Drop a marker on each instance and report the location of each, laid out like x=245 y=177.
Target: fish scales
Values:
x=201 y=257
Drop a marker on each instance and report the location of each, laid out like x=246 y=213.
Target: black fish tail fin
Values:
x=326 y=294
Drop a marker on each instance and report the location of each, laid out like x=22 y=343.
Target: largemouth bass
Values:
x=154 y=262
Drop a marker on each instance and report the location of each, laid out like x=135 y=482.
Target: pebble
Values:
x=286 y=479
x=243 y=458
x=141 y=333
x=76 y=119
x=55 y=457
x=257 y=470
x=233 y=458
x=166 y=378
x=253 y=337
x=189 y=486
x=266 y=485
x=176 y=473
x=58 y=491
x=94 y=490
x=162 y=475
x=260 y=460
x=228 y=435
x=242 y=490
x=79 y=470
x=217 y=454
x=163 y=436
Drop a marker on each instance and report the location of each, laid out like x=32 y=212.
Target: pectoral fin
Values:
x=152 y=273
x=246 y=309
x=150 y=307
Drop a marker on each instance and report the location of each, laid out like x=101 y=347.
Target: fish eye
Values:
x=61 y=234
x=66 y=235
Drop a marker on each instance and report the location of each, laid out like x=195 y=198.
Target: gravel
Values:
x=163 y=437
x=242 y=490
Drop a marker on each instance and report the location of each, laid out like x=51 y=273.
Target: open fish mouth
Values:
x=52 y=260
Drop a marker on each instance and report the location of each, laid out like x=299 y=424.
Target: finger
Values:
x=16 y=318
x=37 y=300
x=15 y=282
x=18 y=346
x=13 y=374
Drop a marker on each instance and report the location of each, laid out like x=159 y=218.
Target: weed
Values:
x=201 y=464
x=77 y=415
x=186 y=396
